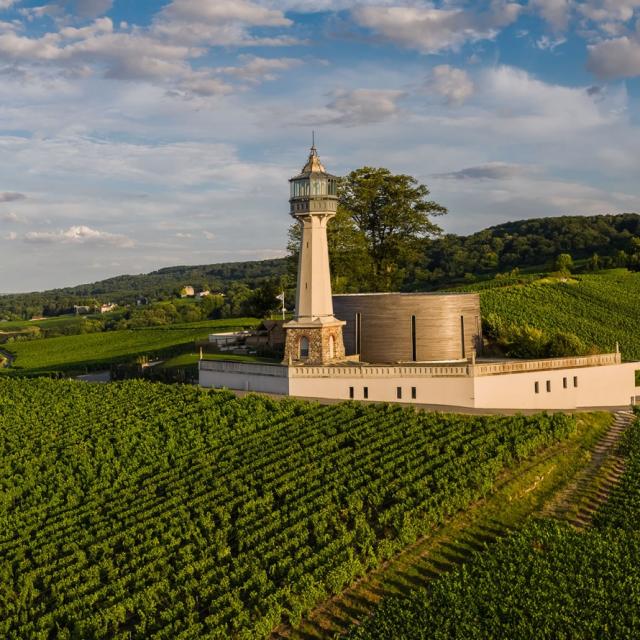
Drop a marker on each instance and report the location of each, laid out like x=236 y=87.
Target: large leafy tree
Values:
x=378 y=235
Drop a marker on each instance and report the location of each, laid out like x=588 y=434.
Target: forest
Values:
x=594 y=242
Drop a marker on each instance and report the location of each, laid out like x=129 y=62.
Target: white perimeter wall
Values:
x=597 y=386
x=601 y=386
x=454 y=391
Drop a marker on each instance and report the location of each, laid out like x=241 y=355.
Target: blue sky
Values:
x=137 y=135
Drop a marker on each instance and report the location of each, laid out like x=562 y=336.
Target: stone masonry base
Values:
x=320 y=351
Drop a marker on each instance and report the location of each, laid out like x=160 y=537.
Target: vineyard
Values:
x=547 y=581
x=79 y=353
x=599 y=309
x=138 y=510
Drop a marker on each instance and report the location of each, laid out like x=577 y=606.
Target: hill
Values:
x=526 y=244
x=157 y=285
x=585 y=313
x=529 y=245
x=78 y=354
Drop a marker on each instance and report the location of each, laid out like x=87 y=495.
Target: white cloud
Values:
x=555 y=12
x=617 y=58
x=357 y=107
x=79 y=234
x=7 y=4
x=527 y=106
x=431 y=30
x=224 y=11
x=453 y=84
x=608 y=11
x=163 y=53
x=11 y=218
x=222 y=22
x=256 y=69
x=12 y=235
x=549 y=44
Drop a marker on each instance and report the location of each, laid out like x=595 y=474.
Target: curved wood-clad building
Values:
x=410 y=327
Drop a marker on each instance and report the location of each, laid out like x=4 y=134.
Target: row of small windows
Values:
x=565 y=384
x=365 y=393
x=314 y=187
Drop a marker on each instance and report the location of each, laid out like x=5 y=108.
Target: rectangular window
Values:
x=358 y=329
x=464 y=355
x=414 y=393
x=414 y=346
x=565 y=383
x=537 y=387
x=399 y=393
x=365 y=392
x=548 y=386
x=575 y=381
x=351 y=392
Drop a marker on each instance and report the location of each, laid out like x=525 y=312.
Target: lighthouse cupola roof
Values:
x=313 y=163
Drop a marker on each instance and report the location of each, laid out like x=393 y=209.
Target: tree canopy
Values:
x=378 y=231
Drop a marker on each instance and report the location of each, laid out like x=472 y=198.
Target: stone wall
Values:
x=319 y=344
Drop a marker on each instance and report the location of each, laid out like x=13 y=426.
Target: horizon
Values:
x=141 y=137
x=199 y=264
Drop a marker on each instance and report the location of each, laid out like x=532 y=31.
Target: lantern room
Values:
x=313 y=189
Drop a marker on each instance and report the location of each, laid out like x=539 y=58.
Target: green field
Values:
x=47 y=323
x=548 y=581
x=600 y=309
x=193 y=514
x=93 y=351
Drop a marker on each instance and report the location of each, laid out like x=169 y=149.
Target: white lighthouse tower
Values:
x=314 y=336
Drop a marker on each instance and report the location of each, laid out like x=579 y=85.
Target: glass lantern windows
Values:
x=318 y=186
x=315 y=185
x=299 y=188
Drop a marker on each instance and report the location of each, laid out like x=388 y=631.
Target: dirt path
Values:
x=521 y=492
x=579 y=500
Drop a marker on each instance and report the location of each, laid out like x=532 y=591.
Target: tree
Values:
x=393 y=214
x=594 y=263
x=563 y=263
x=378 y=233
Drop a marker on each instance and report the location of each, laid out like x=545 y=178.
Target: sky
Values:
x=141 y=134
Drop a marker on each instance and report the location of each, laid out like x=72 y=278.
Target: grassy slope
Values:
x=601 y=309
x=94 y=350
x=48 y=323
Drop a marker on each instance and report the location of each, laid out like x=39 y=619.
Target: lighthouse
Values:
x=314 y=336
